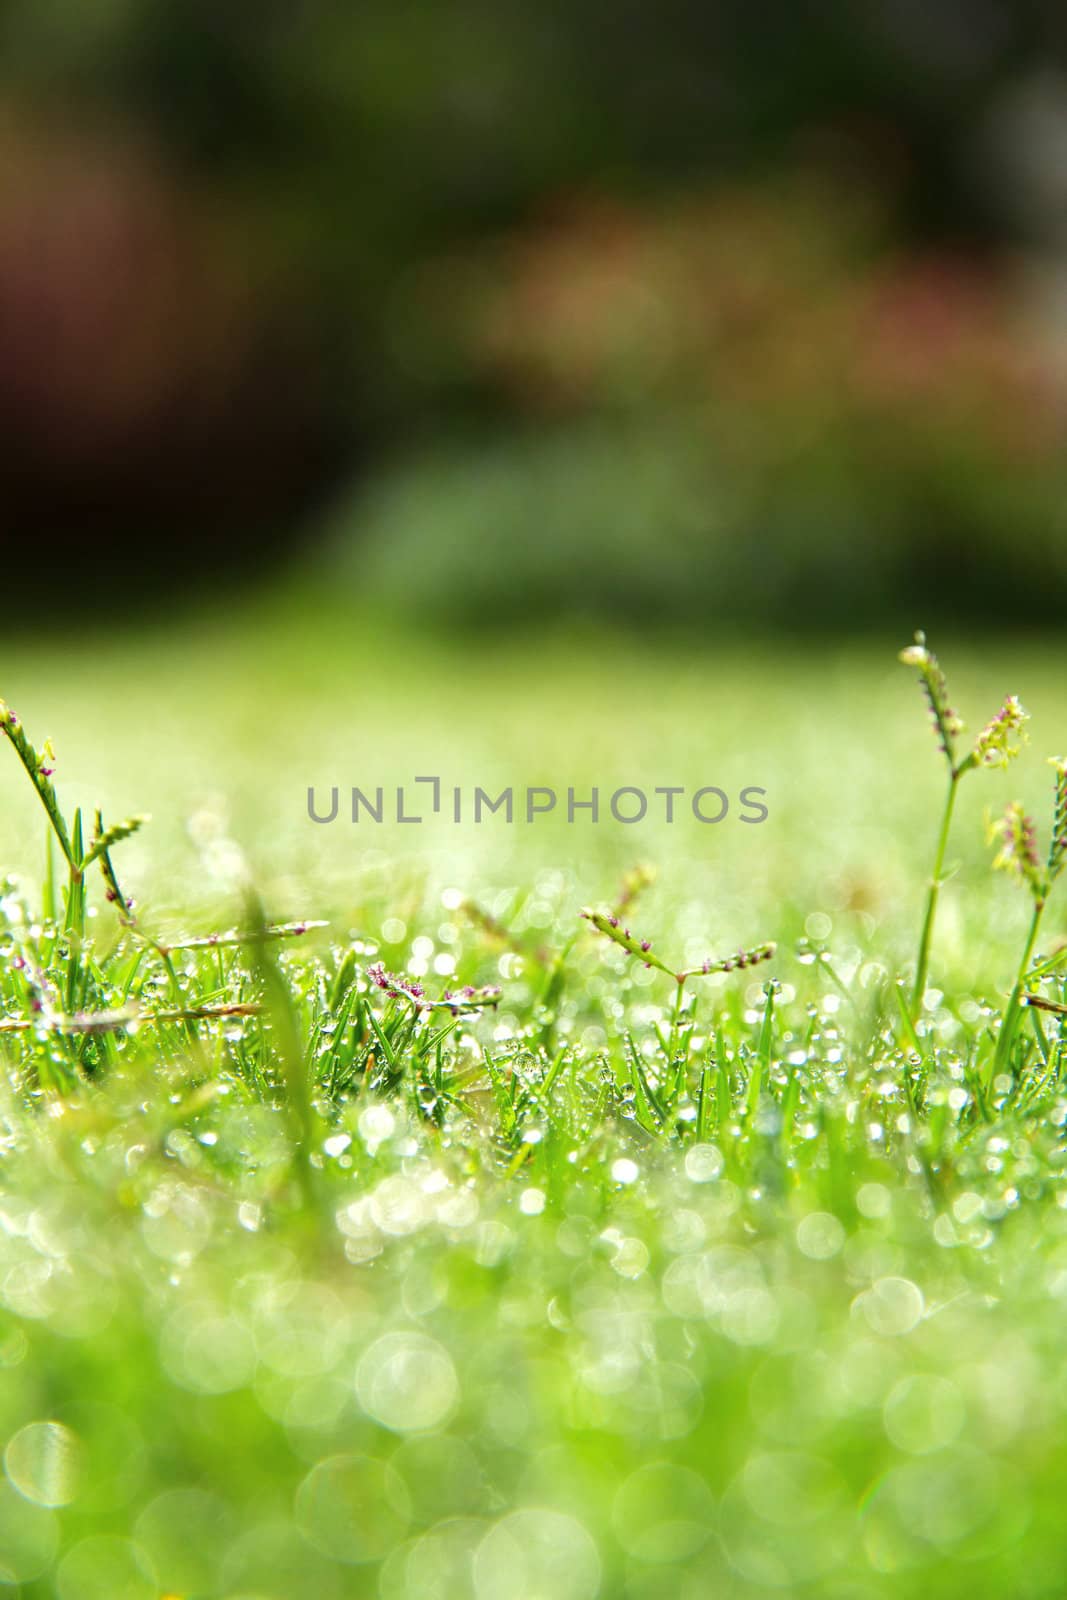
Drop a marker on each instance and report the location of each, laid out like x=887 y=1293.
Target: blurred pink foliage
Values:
x=777 y=314
x=150 y=359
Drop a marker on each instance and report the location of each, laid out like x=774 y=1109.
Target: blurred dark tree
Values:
x=261 y=175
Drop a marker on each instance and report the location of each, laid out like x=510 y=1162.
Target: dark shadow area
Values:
x=734 y=311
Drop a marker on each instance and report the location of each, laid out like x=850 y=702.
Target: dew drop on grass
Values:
x=892 y=1306
x=967 y=1206
x=376 y=1125
x=407 y=1382
x=396 y=1206
x=435 y=1567
x=663 y=1513
x=750 y=1317
x=630 y=1258
x=43 y=1462
x=535 y=1554
x=873 y=1200
x=704 y=1163
x=352 y=1508
x=29 y=1535
x=820 y=1236
x=104 y=1567
x=206 y=1352
x=789 y=1489
x=923 y=1413
x=184 y=1533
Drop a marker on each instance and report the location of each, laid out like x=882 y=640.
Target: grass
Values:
x=317 y=1281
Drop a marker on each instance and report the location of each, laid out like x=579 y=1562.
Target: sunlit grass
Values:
x=324 y=1279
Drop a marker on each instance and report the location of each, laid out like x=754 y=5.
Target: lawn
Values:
x=316 y=1280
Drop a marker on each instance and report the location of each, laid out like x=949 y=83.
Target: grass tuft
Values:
x=466 y=1255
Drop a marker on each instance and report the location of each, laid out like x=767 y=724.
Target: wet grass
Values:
x=448 y=1249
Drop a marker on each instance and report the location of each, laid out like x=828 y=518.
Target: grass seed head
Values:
x=469 y=998
x=607 y=923
x=40 y=765
x=1057 y=854
x=1001 y=739
x=947 y=725
x=394 y=984
x=635 y=881
x=1018 y=855
x=735 y=963
x=397 y=987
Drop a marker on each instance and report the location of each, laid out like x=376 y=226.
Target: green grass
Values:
x=307 y=1293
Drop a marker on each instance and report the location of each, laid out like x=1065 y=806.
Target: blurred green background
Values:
x=476 y=314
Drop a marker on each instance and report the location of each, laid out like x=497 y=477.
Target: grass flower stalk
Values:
x=1019 y=855
x=611 y=926
x=996 y=745
x=400 y=987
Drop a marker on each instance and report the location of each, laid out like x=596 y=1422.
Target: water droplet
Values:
x=43 y=1461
